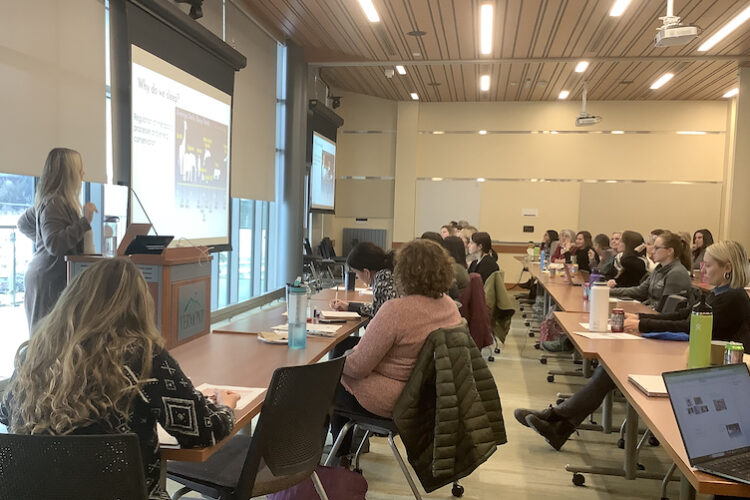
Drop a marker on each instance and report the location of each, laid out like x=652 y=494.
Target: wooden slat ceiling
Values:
x=536 y=46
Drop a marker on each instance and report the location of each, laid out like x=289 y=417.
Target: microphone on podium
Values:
x=143 y=209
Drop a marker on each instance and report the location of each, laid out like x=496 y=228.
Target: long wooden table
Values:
x=233 y=355
x=621 y=358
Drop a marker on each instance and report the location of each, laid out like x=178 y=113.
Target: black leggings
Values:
x=346 y=401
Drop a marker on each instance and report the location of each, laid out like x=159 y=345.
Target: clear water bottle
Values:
x=542 y=260
x=109 y=236
x=297 y=315
x=701 y=330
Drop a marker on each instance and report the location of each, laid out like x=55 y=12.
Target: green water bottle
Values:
x=701 y=326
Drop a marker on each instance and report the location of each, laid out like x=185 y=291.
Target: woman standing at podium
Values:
x=56 y=227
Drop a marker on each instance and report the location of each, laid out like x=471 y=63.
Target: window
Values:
x=16 y=251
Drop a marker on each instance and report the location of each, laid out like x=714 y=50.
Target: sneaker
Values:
x=555 y=433
x=547 y=415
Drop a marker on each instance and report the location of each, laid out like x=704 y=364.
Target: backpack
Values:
x=339 y=483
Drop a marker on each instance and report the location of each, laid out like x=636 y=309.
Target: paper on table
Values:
x=586 y=326
x=247 y=394
x=650 y=385
x=339 y=315
x=311 y=328
x=608 y=336
x=165 y=438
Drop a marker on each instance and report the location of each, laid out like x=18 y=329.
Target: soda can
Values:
x=733 y=353
x=618 y=320
x=586 y=291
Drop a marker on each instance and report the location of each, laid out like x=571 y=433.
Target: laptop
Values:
x=712 y=409
x=143 y=244
x=133 y=230
x=572 y=279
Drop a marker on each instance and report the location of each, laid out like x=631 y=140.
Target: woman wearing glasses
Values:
x=671 y=276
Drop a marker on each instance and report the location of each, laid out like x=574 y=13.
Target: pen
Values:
x=337 y=294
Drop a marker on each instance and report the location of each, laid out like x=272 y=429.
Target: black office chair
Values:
x=285 y=448
x=95 y=467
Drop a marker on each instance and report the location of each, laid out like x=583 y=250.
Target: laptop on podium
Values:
x=712 y=409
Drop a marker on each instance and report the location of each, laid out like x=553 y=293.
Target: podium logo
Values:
x=192 y=314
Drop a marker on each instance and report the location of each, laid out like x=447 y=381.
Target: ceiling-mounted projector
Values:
x=585 y=118
x=671 y=32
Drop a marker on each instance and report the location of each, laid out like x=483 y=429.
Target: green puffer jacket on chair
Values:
x=449 y=414
x=502 y=307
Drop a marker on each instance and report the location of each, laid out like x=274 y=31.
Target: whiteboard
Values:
x=438 y=203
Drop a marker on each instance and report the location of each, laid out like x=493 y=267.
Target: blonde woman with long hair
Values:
x=96 y=366
x=57 y=224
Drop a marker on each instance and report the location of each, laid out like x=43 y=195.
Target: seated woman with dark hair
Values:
x=95 y=365
x=486 y=264
x=726 y=269
x=373 y=266
x=455 y=247
x=583 y=244
x=702 y=239
x=433 y=236
x=381 y=363
x=602 y=257
x=633 y=262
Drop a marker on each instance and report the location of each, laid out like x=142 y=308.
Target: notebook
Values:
x=712 y=409
x=650 y=385
x=339 y=315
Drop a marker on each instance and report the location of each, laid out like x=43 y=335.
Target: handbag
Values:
x=339 y=483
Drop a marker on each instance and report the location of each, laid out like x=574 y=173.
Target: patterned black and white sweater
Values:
x=169 y=398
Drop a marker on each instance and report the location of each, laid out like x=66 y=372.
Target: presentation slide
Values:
x=180 y=152
x=322 y=173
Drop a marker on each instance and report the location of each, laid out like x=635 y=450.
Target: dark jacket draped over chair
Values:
x=449 y=414
x=474 y=309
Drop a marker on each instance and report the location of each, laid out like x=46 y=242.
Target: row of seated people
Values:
x=96 y=365
x=725 y=268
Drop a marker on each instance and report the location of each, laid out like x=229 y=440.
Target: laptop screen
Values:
x=712 y=408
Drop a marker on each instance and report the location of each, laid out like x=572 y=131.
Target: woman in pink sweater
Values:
x=378 y=368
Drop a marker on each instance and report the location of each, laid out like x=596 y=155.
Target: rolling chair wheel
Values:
x=543 y=361
x=621 y=443
x=457 y=490
x=523 y=315
x=497 y=350
x=579 y=479
x=550 y=378
x=653 y=441
x=491 y=358
x=531 y=334
x=537 y=346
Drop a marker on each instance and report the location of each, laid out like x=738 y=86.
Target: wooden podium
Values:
x=180 y=283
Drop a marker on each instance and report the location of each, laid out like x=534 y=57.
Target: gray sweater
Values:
x=56 y=230
x=663 y=281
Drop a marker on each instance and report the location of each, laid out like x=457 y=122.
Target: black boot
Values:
x=555 y=433
x=548 y=415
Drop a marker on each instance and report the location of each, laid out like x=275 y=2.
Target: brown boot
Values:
x=555 y=433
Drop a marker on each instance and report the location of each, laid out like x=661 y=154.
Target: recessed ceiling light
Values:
x=369 y=9
x=581 y=66
x=437 y=178
x=725 y=30
x=417 y=33
x=617 y=132
x=416 y=54
x=401 y=70
x=661 y=81
x=563 y=94
x=482 y=132
x=484 y=83
x=480 y=179
x=485 y=23
x=438 y=132
x=732 y=92
x=414 y=96
x=691 y=132
x=618 y=7
x=553 y=132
